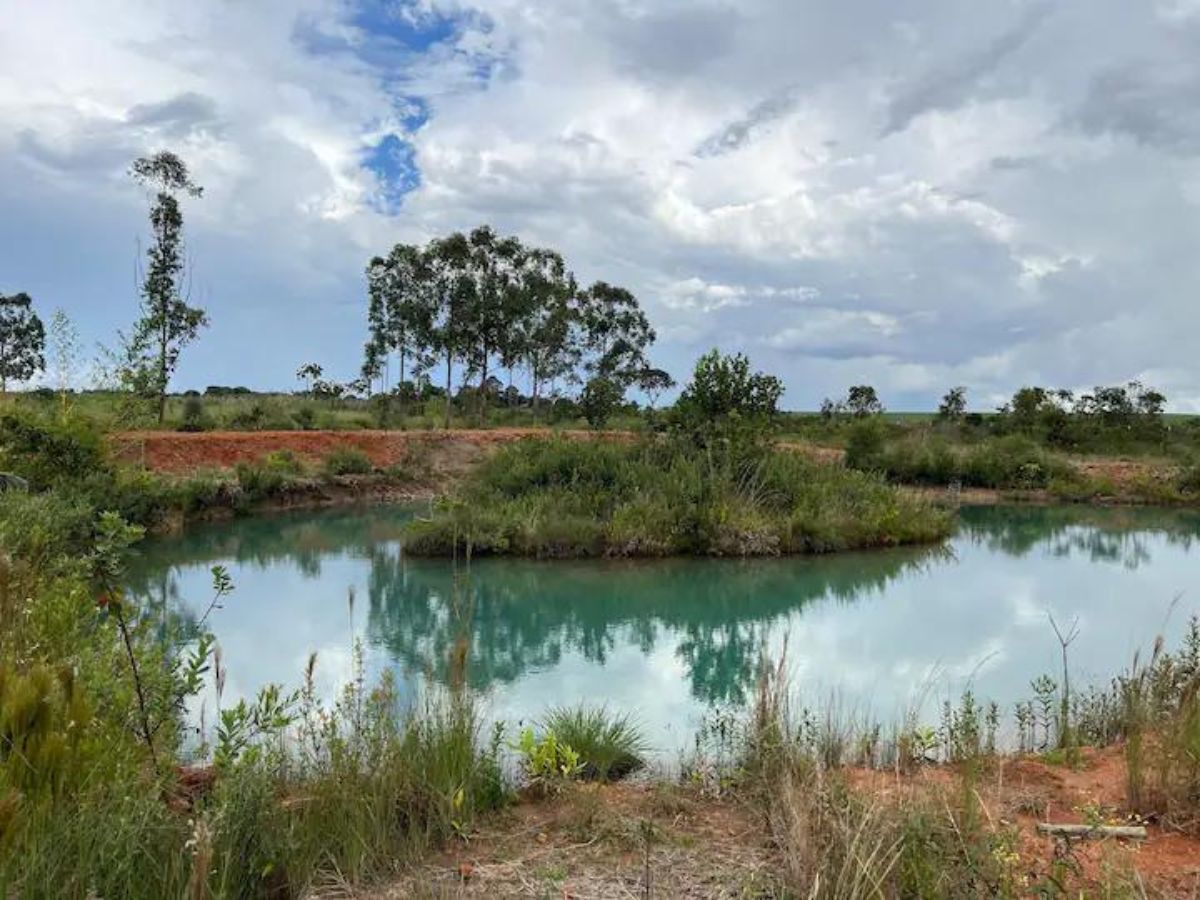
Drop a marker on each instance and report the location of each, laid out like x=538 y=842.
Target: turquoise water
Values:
x=877 y=633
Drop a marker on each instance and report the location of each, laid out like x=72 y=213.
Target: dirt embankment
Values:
x=445 y=456
x=442 y=453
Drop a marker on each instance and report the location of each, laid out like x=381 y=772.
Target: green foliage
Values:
x=194 y=418
x=167 y=322
x=726 y=404
x=347 y=461
x=243 y=727
x=861 y=400
x=482 y=300
x=1013 y=461
x=953 y=405
x=609 y=745
x=49 y=455
x=556 y=498
x=600 y=399
x=22 y=340
x=548 y=762
x=260 y=481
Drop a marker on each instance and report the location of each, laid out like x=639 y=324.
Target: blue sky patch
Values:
x=393 y=160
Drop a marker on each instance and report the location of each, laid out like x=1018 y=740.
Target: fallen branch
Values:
x=1134 y=832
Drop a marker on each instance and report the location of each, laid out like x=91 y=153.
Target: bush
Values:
x=306 y=418
x=260 y=481
x=609 y=746
x=48 y=455
x=348 y=461
x=194 y=418
x=600 y=399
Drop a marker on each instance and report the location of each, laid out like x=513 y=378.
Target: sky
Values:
x=912 y=195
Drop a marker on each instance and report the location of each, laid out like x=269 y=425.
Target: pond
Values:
x=877 y=633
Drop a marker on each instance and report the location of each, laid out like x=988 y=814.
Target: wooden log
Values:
x=1133 y=832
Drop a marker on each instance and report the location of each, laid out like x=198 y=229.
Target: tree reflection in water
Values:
x=526 y=616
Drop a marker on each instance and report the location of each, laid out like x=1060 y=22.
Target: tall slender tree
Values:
x=549 y=336
x=617 y=333
x=446 y=327
x=168 y=323
x=22 y=340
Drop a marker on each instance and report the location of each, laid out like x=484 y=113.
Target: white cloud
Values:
x=956 y=192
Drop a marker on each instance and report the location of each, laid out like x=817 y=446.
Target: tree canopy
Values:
x=485 y=302
x=22 y=340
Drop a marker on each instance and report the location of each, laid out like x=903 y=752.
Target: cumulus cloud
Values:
x=936 y=194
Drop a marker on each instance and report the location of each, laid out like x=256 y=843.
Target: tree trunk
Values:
x=402 y=354
x=536 y=385
x=483 y=389
x=449 y=360
x=162 y=371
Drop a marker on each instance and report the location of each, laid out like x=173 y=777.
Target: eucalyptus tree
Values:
x=481 y=299
x=446 y=327
x=616 y=333
x=64 y=343
x=22 y=340
x=398 y=287
x=653 y=382
x=167 y=322
x=548 y=336
x=493 y=302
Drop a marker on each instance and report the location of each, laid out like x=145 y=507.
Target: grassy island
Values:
x=561 y=498
x=710 y=483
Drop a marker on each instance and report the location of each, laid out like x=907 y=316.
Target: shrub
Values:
x=284 y=461
x=306 y=418
x=48 y=455
x=609 y=746
x=1188 y=479
x=548 y=762
x=864 y=443
x=348 y=461
x=194 y=418
x=259 y=481
x=600 y=399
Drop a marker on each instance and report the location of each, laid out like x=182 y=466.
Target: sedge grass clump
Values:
x=610 y=745
x=347 y=461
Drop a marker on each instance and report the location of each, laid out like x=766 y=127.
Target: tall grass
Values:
x=838 y=841
x=562 y=498
x=923 y=457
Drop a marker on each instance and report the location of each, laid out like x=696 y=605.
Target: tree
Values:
x=310 y=374
x=616 y=332
x=727 y=403
x=22 y=340
x=954 y=404
x=447 y=330
x=861 y=400
x=653 y=382
x=600 y=398
x=167 y=322
x=831 y=410
x=547 y=336
x=398 y=287
x=64 y=342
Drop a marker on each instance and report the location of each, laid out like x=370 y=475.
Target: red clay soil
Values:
x=1026 y=790
x=178 y=453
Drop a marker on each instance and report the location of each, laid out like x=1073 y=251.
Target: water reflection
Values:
x=670 y=639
